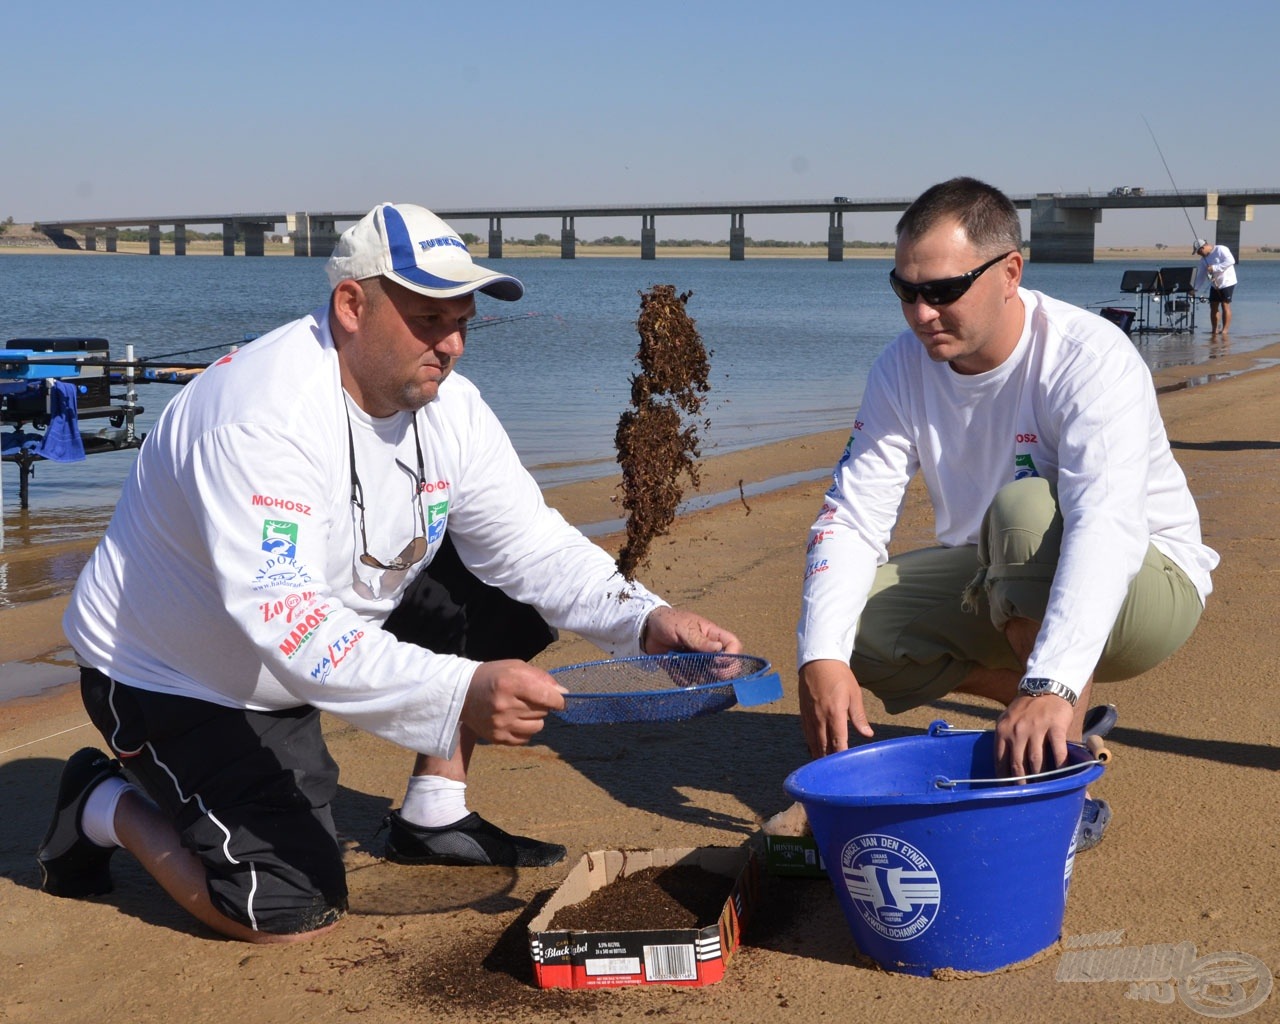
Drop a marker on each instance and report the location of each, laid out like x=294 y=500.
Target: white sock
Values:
x=433 y=801
x=98 y=819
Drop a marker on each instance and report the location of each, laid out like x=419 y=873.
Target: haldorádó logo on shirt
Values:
x=282 y=571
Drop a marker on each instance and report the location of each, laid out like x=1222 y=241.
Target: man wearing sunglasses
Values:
x=278 y=525
x=1069 y=544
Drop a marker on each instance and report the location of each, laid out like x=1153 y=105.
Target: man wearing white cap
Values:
x=286 y=504
x=1218 y=267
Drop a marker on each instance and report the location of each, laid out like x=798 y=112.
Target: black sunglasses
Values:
x=943 y=291
x=416 y=548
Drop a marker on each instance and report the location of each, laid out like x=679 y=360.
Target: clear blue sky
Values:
x=139 y=108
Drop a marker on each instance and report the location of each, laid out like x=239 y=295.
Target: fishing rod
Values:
x=488 y=321
x=207 y=348
x=141 y=361
x=1194 y=235
x=494 y=321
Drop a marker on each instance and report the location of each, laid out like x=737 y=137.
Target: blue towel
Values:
x=62 y=440
x=18 y=440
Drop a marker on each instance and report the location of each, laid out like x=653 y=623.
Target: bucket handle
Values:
x=942 y=782
x=941 y=727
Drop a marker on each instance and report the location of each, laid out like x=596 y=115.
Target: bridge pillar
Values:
x=1061 y=234
x=299 y=227
x=228 y=238
x=322 y=236
x=835 y=237
x=737 y=236
x=568 y=248
x=495 y=238
x=648 y=236
x=179 y=239
x=1229 y=219
x=255 y=237
x=153 y=239
x=91 y=239
x=113 y=239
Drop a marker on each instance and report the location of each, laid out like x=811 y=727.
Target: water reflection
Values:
x=30 y=678
x=44 y=550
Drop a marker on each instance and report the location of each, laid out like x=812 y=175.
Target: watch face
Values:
x=1035 y=685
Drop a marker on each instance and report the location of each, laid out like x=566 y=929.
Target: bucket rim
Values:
x=798 y=786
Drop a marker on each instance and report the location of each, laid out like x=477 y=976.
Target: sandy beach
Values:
x=1192 y=856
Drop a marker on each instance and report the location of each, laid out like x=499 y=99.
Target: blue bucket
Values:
x=938 y=865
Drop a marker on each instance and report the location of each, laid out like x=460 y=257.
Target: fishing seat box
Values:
x=687 y=957
x=92 y=382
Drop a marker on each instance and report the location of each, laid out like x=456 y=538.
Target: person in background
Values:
x=1218 y=267
x=1069 y=545
x=328 y=520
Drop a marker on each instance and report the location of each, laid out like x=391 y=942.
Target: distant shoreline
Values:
x=513 y=251
x=20 y=240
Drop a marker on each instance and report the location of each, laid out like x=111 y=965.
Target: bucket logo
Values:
x=893 y=885
x=1069 y=866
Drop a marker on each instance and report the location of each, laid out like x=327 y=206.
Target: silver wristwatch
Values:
x=1033 y=687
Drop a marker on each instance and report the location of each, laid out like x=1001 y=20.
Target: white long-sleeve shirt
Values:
x=230 y=573
x=1073 y=403
x=1218 y=267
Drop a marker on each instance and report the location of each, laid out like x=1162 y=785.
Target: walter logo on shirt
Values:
x=280 y=537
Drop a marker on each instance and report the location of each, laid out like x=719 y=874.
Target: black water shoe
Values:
x=1099 y=720
x=471 y=842
x=70 y=864
x=1094 y=820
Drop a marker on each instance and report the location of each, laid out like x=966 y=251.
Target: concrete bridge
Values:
x=1062 y=223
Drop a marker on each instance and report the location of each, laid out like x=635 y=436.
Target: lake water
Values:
x=791 y=342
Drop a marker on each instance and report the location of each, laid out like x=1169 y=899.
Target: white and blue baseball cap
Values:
x=413 y=247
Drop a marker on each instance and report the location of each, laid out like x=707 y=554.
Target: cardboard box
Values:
x=793 y=856
x=684 y=956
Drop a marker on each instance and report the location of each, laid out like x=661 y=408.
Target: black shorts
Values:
x=248 y=791
x=1221 y=294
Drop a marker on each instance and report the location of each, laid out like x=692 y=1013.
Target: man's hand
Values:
x=508 y=701
x=830 y=698
x=667 y=629
x=1031 y=735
